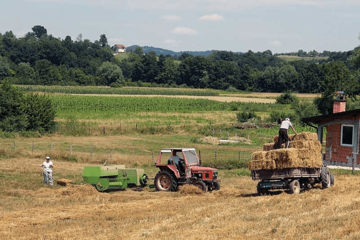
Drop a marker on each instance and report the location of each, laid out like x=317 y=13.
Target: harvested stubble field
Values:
x=30 y=211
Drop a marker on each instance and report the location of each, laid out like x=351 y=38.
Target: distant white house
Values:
x=119 y=48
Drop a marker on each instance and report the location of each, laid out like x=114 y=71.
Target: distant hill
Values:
x=159 y=51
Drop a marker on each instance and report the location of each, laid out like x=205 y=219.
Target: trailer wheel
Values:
x=165 y=182
x=201 y=185
x=262 y=191
x=332 y=179
x=294 y=187
x=325 y=177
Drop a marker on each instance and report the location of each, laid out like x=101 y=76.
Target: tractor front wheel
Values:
x=201 y=185
x=165 y=182
x=216 y=186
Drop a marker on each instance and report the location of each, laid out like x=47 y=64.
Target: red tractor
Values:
x=179 y=166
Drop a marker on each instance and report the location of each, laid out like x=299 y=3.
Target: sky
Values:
x=280 y=26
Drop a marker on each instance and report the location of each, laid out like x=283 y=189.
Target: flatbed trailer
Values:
x=292 y=179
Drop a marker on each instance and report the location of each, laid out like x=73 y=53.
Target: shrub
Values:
x=287 y=98
x=246 y=116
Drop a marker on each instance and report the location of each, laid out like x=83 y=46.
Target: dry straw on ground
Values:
x=188 y=189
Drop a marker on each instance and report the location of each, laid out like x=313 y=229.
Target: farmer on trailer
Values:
x=283 y=132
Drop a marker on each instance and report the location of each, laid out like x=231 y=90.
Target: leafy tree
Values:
x=39 y=31
x=25 y=74
x=13 y=115
x=110 y=73
x=324 y=104
x=168 y=73
x=103 y=40
x=305 y=109
x=40 y=113
x=4 y=68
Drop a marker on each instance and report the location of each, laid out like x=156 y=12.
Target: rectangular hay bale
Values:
x=259 y=155
x=268 y=146
x=286 y=158
x=299 y=144
x=268 y=164
x=309 y=136
x=303 y=153
x=315 y=146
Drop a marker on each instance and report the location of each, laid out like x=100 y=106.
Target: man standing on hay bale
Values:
x=48 y=166
x=283 y=133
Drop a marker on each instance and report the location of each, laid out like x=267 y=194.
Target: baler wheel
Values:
x=201 y=185
x=165 y=182
x=100 y=188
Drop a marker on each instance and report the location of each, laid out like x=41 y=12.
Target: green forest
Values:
x=38 y=58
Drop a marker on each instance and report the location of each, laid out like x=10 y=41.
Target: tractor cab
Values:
x=180 y=166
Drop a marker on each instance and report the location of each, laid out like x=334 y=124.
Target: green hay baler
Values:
x=116 y=177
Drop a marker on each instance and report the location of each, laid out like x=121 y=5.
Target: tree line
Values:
x=42 y=59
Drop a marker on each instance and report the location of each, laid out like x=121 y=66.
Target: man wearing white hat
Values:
x=48 y=168
x=283 y=132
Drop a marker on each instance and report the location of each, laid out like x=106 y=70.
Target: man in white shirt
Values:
x=48 y=169
x=283 y=132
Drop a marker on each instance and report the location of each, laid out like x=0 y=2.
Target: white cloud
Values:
x=171 y=18
x=185 y=31
x=276 y=43
x=212 y=17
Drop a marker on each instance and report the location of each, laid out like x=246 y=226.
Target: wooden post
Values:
x=70 y=149
x=104 y=131
x=32 y=148
x=14 y=145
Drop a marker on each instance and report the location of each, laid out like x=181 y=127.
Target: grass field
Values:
x=118 y=133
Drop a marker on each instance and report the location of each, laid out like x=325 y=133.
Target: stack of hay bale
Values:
x=304 y=152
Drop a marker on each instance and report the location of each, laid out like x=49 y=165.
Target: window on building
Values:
x=347 y=133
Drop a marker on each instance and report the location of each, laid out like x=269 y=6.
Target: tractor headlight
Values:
x=199 y=175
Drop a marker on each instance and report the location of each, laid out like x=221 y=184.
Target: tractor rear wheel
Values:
x=294 y=187
x=201 y=185
x=165 y=182
x=325 y=177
